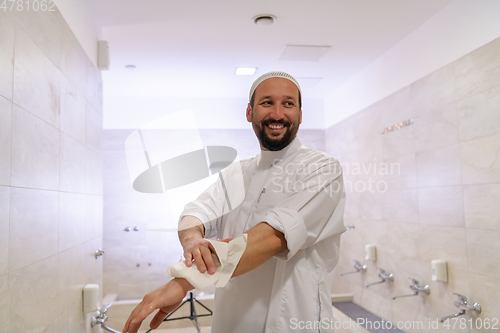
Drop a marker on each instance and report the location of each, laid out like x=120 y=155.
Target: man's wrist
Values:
x=184 y=284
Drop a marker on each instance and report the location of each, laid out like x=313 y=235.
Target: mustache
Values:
x=271 y=121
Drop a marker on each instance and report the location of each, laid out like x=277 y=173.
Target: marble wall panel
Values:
x=45 y=28
x=4 y=304
x=478 y=71
x=481 y=206
x=94 y=87
x=402 y=247
x=71 y=276
x=441 y=206
x=4 y=226
x=93 y=216
x=434 y=90
x=33 y=297
x=483 y=250
x=395 y=108
x=367 y=122
x=37 y=81
x=479 y=115
x=435 y=126
x=32 y=213
x=7 y=36
x=439 y=167
x=73 y=62
x=35 y=152
x=94 y=172
x=72 y=224
x=72 y=165
x=483 y=290
x=313 y=139
x=94 y=129
x=401 y=172
x=400 y=205
x=399 y=142
x=480 y=160
x=73 y=111
x=5 y=140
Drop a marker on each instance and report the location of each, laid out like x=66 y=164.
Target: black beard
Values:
x=275 y=144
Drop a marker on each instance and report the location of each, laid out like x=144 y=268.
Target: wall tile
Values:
x=395 y=108
x=7 y=35
x=402 y=172
x=480 y=160
x=94 y=172
x=367 y=122
x=399 y=142
x=479 y=115
x=400 y=205
x=35 y=152
x=33 y=227
x=484 y=290
x=94 y=129
x=439 y=167
x=94 y=87
x=314 y=139
x=4 y=304
x=434 y=90
x=402 y=245
x=37 y=82
x=478 y=71
x=33 y=297
x=72 y=165
x=45 y=28
x=93 y=266
x=481 y=206
x=4 y=226
x=435 y=127
x=93 y=216
x=71 y=273
x=71 y=220
x=483 y=251
x=445 y=243
x=441 y=206
x=5 y=140
x=73 y=111
x=73 y=62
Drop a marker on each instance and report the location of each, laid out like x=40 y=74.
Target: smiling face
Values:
x=276 y=114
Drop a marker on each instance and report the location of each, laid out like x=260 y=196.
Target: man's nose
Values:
x=277 y=112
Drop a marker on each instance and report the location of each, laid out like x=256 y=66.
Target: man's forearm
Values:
x=263 y=243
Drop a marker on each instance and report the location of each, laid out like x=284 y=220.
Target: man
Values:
x=292 y=216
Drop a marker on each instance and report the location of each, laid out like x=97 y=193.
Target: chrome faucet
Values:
x=463 y=305
x=102 y=316
x=384 y=276
x=416 y=287
x=358 y=268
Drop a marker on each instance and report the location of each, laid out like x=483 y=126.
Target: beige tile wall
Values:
x=443 y=201
x=50 y=174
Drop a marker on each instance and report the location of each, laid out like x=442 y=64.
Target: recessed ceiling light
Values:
x=245 y=70
x=131 y=67
x=264 y=19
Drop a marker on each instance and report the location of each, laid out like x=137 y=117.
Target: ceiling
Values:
x=191 y=48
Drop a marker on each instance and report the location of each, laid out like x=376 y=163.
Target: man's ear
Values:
x=249 y=113
x=300 y=117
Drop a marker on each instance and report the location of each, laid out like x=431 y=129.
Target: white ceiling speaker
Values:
x=264 y=19
x=102 y=55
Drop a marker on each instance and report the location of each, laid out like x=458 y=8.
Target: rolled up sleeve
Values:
x=313 y=214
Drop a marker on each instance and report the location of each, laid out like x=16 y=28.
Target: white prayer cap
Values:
x=269 y=75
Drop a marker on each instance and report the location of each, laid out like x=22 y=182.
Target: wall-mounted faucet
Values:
x=358 y=268
x=101 y=318
x=417 y=288
x=98 y=253
x=384 y=276
x=462 y=304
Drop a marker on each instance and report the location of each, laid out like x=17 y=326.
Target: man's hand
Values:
x=200 y=250
x=166 y=298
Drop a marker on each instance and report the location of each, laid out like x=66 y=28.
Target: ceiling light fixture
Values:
x=131 y=67
x=264 y=19
x=245 y=70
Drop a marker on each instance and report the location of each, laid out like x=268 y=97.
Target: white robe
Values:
x=300 y=192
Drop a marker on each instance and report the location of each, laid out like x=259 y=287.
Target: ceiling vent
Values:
x=303 y=52
x=264 y=19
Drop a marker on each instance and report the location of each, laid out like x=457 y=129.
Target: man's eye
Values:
x=266 y=103
x=289 y=104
